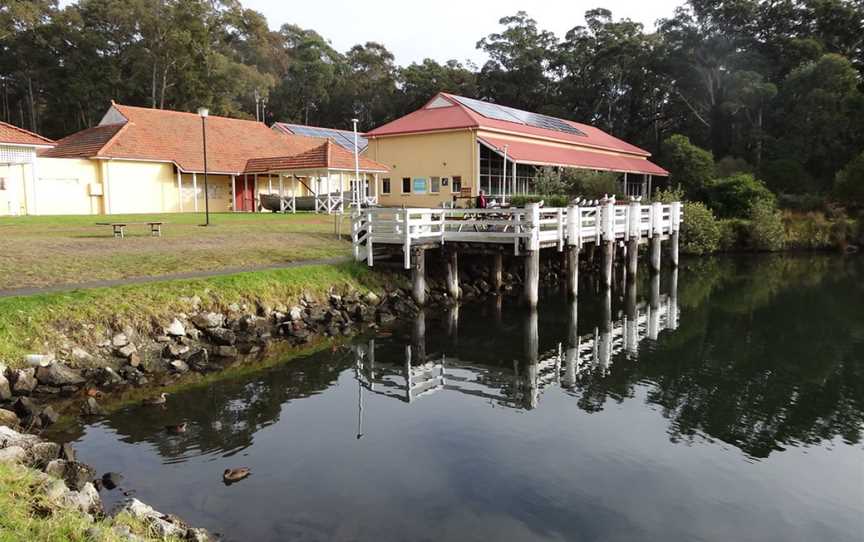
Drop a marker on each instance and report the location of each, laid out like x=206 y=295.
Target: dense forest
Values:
x=772 y=87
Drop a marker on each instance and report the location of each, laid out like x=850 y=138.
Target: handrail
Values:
x=526 y=229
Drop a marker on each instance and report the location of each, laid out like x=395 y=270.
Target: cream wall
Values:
x=220 y=193
x=66 y=186
x=13 y=200
x=441 y=154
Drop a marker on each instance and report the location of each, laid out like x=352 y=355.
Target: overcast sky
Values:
x=440 y=29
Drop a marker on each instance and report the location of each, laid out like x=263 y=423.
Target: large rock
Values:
x=25 y=408
x=43 y=453
x=208 y=320
x=8 y=418
x=75 y=474
x=295 y=313
x=80 y=355
x=25 y=381
x=176 y=329
x=162 y=526
x=91 y=408
x=5 y=387
x=222 y=336
x=9 y=437
x=126 y=351
x=120 y=340
x=58 y=375
x=13 y=454
x=85 y=500
x=49 y=416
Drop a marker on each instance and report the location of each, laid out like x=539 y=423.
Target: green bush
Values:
x=689 y=166
x=700 y=231
x=849 y=182
x=808 y=231
x=729 y=165
x=801 y=202
x=733 y=234
x=766 y=227
x=590 y=184
x=669 y=195
x=732 y=197
x=788 y=176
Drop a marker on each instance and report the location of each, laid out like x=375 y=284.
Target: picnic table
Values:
x=120 y=227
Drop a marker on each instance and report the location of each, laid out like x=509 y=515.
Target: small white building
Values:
x=19 y=189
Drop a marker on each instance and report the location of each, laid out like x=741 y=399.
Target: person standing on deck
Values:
x=481 y=200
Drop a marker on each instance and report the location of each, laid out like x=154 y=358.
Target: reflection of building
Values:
x=572 y=360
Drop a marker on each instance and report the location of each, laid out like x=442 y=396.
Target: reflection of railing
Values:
x=565 y=365
x=526 y=229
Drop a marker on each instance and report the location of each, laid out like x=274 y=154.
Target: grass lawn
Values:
x=50 y=250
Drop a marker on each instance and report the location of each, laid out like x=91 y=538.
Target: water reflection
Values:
x=678 y=393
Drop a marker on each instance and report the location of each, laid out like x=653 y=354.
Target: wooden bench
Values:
x=120 y=227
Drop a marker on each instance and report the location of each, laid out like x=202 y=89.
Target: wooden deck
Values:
x=528 y=229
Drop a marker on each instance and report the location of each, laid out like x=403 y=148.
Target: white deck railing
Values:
x=526 y=229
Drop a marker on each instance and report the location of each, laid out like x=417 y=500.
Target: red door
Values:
x=244 y=193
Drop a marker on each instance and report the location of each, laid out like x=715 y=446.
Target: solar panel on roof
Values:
x=340 y=137
x=511 y=114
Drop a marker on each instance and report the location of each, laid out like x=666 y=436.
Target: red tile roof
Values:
x=548 y=155
x=83 y=144
x=174 y=136
x=328 y=155
x=18 y=136
x=459 y=116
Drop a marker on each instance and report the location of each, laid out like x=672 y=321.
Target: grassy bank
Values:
x=38 y=251
x=28 y=514
x=43 y=323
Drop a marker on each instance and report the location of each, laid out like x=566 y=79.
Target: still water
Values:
x=724 y=402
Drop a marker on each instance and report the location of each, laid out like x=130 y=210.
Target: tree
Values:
x=689 y=166
x=849 y=185
x=520 y=59
x=421 y=81
x=732 y=197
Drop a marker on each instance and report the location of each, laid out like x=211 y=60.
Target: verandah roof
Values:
x=537 y=154
x=327 y=156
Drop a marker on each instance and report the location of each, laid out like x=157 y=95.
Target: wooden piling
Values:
x=573 y=270
x=608 y=259
x=632 y=256
x=452 y=273
x=673 y=249
x=655 y=253
x=532 y=277
x=418 y=275
x=497 y=277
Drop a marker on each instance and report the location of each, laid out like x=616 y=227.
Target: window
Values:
x=406 y=185
x=419 y=186
x=457 y=184
x=385 y=185
x=434 y=184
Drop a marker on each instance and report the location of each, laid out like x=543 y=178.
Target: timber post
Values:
x=574 y=242
x=418 y=275
x=608 y=238
x=452 y=278
x=532 y=256
x=633 y=238
x=656 y=230
x=497 y=277
x=675 y=221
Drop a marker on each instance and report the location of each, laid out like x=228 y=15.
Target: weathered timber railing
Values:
x=530 y=228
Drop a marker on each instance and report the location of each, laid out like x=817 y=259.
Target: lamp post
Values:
x=356 y=167
x=203 y=112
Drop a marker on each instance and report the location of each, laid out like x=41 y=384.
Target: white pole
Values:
x=356 y=166
x=234 y=193
x=180 y=189
x=504 y=176
x=195 y=189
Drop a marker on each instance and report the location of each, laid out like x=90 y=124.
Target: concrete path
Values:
x=160 y=278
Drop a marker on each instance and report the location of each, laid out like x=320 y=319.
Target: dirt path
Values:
x=159 y=278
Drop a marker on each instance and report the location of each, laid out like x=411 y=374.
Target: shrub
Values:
x=787 y=175
x=700 y=231
x=766 y=226
x=807 y=230
x=849 y=182
x=729 y=165
x=590 y=184
x=669 y=195
x=549 y=180
x=733 y=234
x=801 y=202
x=689 y=166
x=732 y=197
x=557 y=200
